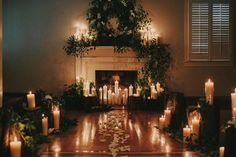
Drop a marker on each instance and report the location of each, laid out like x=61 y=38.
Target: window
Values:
x=208 y=31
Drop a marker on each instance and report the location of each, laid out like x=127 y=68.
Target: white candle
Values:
x=56 y=118
x=15 y=148
x=209 y=91
x=138 y=91
x=100 y=95
x=195 y=127
x=158 y=86
x=154 y=94
x=109 y=97
x=130 y=90
x=113 y=97
x=31 y=100
x=233 y=101
x=116 y=86
x=45 y=125
x=186 y=133
x=105 y=94
x=234 y=112
x=221 y=151
x=162 y=122
x=167 y=114
x=119 y=96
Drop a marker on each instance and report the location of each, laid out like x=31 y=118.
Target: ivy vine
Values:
x=118 y=23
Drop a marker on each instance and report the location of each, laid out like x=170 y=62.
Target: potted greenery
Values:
x=73 y=96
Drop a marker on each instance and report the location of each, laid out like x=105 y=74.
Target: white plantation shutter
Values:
x=220 y=30
x=209 y=30
x=200 y=25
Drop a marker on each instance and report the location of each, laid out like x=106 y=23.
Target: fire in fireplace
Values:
x=125 y=77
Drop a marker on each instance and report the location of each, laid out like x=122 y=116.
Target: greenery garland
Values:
x=118 y=23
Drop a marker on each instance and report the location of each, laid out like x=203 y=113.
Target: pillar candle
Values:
x=44 y=125
x=100 y=95
x=116 y=86
x=138 y=91
x=154 y=94
x=167 y=114
x=209 y=91
x=31 y=100
x=233 y=101
x=221 y=151
x=15 y=148
x=119 y=96
x=56 y=118
x=109 y=96
x=234 y=112
x=113 y=97
x=162 y=122
x=158 y=86
x=195 y=127
x=105 y=94
x=130 y=90
x=123 y=99
x=126 y=95
x=186 y=133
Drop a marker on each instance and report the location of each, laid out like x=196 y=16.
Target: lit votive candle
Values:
x=209 y=91
x=186 y=133
x=221 y=151
x=31 y=100
x=162 y=122
x=44 y=125
x=15 y=148
x=56 y=118
x=167 y=114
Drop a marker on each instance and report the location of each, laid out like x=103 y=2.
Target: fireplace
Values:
x=125 y=77
x=103 y=60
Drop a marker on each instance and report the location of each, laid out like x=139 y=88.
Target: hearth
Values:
x=107 y=77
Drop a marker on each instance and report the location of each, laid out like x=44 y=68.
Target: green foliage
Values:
x=118 y=23
x=73 y=90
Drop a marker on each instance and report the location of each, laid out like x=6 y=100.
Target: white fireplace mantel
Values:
x=104 y=58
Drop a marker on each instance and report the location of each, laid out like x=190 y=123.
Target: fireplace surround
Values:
x=103 y=58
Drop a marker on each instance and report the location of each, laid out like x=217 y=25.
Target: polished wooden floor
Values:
x=120 y=133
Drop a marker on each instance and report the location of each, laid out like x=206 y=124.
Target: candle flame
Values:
x=209 y=80
x=15 y=139
x=30 y=92
x=186 y=126
x=42 y=115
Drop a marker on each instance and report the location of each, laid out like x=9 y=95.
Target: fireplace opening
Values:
x=107 y=77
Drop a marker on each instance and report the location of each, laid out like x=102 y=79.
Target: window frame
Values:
x=204 y=59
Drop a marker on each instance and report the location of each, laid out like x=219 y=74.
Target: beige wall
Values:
x=35 y=31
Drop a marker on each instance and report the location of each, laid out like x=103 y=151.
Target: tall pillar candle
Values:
x=105 y=94
x=195 y=127
x=167 y=114
x=126 y=94
x=234 y=112
x=131 y=90
x=221 y=151
x=158 y=86
x=45 y=125
x=233 y=101
x=113 y=98
x=162 y=122
x=100 y=95
x=116 y=86
x=109 y=96
x=186 y=133
x=31 y=100
x=209 y=91
x=56 y=118
x=15 y=148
